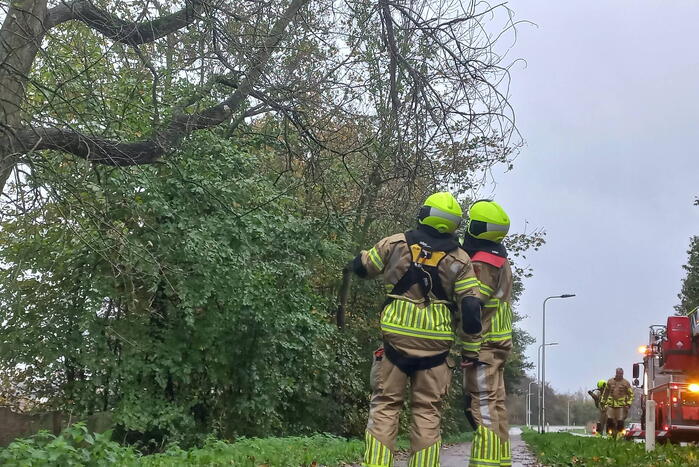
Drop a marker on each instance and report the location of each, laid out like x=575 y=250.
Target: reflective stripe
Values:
x=497 y=227
x=505 y=454
x=375 y=453
x=472 y=346
x=481 y=387
x=500 y=324
x=406 y=318
x=416 y=333
x=376 y=259
x=436 y=212
x=485 y=289
x=492 y=303
x=465 y=284
x=428 y=457
x=485 y=448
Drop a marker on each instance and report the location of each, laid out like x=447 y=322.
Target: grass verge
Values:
x=556 y=449
x=77 y=447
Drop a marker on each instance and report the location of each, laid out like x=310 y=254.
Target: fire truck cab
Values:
x=671 y=379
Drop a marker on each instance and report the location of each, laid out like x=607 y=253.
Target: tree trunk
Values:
x=20 y=38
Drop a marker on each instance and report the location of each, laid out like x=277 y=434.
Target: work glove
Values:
x=357 y=267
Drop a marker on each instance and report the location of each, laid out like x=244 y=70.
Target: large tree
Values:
x=421 y=80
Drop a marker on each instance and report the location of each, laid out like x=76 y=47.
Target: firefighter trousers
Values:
x=428 y=389
x=484 y=384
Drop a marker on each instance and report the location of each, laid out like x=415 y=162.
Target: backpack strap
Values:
x=423 y=270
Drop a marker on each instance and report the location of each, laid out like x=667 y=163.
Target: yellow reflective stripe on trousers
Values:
x=485 y=448
x=408 y=319
x=376 y=259
x=467 y=283
x=428 y=457
x=505 y=454
x=375 y=453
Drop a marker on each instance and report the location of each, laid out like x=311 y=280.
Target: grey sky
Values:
x=608 y=104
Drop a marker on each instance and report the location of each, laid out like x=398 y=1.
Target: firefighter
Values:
x=485 y=353
x=617 y=397
x=431 y=291
x=596 y=395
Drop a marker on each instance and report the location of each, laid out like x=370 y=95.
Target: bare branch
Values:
x=117 y=29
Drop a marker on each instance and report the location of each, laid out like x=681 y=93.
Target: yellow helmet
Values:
x=601 y=383
x=441 y=211
x=487 y=220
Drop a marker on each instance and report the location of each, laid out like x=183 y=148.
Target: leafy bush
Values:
x=77 y=447
x=566 y=449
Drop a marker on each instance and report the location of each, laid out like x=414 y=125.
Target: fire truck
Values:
x=671 y=379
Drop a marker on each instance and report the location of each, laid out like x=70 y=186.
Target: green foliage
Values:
x=76 y=447
x=566 y=449
x=178 y=296
x=689 y=295
x=283 y=452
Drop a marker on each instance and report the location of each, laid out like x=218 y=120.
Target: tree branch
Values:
x=100 y=150
x=119 y=30
x=117 y=153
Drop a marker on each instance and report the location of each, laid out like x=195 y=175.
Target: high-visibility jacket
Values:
x=495 y=285
x=596 y=395
x=410 y=322
x=617 y=393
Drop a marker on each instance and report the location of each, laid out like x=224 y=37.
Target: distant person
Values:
x=485 y=353
x=432 y=292
x=617 y=397
x=596 y=395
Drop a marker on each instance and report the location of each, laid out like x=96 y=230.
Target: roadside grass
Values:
x=557 y=449
x=78 y=447
x=283 y=452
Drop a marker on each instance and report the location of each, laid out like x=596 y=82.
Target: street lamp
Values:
x=540 y=388
x=543 y=357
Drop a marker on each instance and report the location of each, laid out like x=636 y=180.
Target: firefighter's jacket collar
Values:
x=473 y=245
x=434 y=239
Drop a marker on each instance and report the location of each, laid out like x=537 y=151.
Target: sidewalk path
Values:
x=457 y=455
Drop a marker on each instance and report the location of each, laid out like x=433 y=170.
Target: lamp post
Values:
x=540 y=388
x=569 y=414
x=543 y=357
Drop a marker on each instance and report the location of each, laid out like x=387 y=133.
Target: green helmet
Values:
x=441 y=211
x=487 y=220
x=601 y=383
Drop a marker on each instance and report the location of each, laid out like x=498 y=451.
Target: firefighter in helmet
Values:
x=431 y=290
x=485 y=353
x=617 y=397
x=596 y=395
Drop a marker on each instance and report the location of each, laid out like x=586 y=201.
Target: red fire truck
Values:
x=671 y=379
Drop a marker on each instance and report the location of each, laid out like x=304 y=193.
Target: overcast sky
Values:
x=608 y=104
